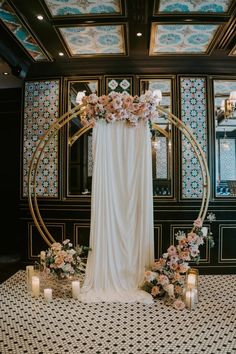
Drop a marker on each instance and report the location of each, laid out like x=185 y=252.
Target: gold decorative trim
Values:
x=220 y=249
x=30 y=236
x=76 y=228
x=158 y=227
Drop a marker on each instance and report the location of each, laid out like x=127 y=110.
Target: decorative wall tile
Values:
x=193 y=114
x=188 y=6
x=94 y=40
x=121 y=85
x=84 y=7
x=20 y=32
x=181 y=38
x=41 y=110
x=227 y=160
x=161 y=157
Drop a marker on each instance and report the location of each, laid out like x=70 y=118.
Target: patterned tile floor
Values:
x=65 y=325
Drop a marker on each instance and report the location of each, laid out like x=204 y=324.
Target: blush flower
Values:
x=62 y=260
x=155 y=291
x=179 y=304
x=171 y=250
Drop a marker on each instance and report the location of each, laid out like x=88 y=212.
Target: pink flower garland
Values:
x=119 y=107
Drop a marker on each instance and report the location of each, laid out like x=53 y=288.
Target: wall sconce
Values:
x=228 y=106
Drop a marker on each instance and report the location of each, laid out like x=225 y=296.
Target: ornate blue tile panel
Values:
x=83 y=7
x=189 y=6
x=193 y=114
x=161 y=157
x=121 y=85
x=94 y=40
x=227 y=159
x=41 y=110
x=20 y=32
x=180 y=39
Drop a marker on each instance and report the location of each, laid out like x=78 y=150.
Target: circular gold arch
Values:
x=67 y=117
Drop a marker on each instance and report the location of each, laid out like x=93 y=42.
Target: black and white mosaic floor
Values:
x=65 y=325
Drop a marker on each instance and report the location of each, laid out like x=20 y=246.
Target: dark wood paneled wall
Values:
x=10 y=120
x=70 y=218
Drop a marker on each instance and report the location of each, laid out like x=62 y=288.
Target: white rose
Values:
x=170 y=289
x=204 y=231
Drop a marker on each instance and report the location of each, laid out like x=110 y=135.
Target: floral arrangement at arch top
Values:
x=62 y=260
x=119 y=107
x=167 y=275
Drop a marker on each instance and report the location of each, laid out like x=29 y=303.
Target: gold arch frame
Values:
x=67 y=117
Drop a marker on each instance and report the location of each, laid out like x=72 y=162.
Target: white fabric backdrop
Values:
x=121 y=235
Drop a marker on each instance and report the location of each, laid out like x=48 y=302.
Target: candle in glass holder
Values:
x=75 y=289
x=35 y=286
x=29 y=274
x=47 y=295
x=195 y=295
x=192 y=280
x=190 y=298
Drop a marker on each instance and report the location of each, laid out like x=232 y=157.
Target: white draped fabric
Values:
x=121 y=235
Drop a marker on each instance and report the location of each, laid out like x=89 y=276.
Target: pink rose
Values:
x=179 y=305
x=171 y=250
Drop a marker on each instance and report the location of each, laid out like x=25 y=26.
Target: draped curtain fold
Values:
x=121 y=234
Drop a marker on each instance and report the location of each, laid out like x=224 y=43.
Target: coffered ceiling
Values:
x=105 y=36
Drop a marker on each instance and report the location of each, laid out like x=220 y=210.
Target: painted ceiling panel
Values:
x=191 y=6
x=181 y=39
x=83 y=7
x=94 y=40
x=20 y=32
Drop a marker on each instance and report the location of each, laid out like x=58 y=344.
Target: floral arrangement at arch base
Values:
x=62 y=260
x=167 y=275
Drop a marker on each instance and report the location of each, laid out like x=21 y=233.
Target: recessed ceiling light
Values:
x=40 y=17
x=188 y=20
x=139 y=34
x=61 y=54
x=89 y=21
x=6 y=73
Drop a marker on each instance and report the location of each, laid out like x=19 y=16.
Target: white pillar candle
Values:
x=29 y=274
x=195 y=295
x=47 y=295
x=75 y=289
x=35 y=286
x=192 y=280
x=189 y=299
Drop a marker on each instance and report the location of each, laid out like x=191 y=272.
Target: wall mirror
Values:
x=162 y=154
x=79 y=159
x=225 y=137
